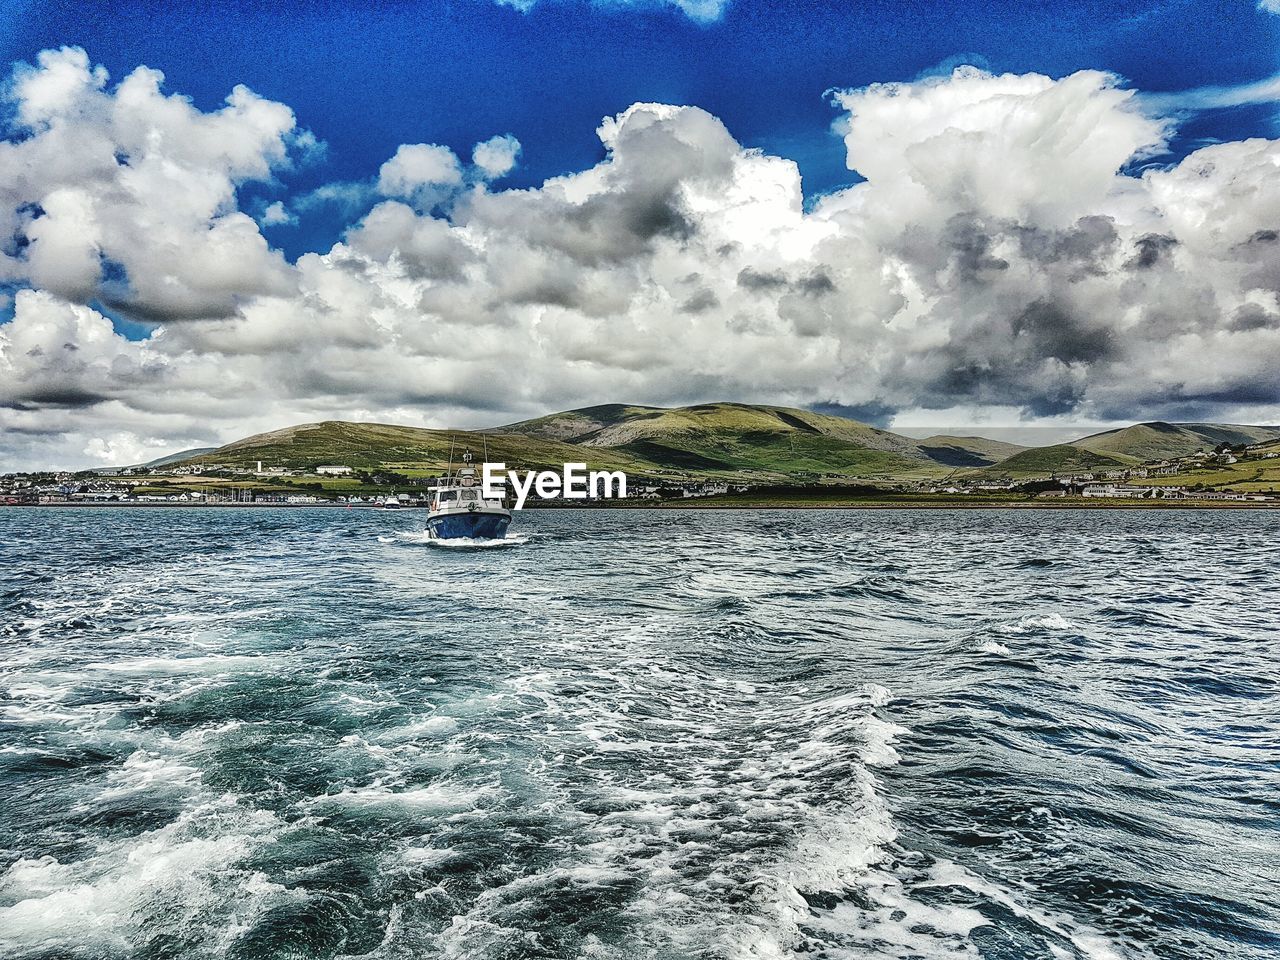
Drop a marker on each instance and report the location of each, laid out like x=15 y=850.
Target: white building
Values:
x=1121 y=490
x=333 y=470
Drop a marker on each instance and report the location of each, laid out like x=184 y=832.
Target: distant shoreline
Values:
x=710 y=503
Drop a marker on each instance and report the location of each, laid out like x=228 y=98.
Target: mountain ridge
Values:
x=754 y=441
x=1160 y=440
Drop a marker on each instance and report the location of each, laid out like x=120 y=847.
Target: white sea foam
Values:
x=427 y=856
x=170 y=882
x=713 y=796
x=145 y=772
x=994 y=647
x=214 y=664
x=877 y=695
x=39 y=715
x=1087 y=941
x=428 y=728
x=476 y=543
x=877 y=737
x=35 y=690
x=386 y=801
x=1039 y=622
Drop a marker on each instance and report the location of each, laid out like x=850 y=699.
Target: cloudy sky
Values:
x=218 y=221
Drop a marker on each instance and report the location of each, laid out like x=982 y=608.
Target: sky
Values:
x=227 y=218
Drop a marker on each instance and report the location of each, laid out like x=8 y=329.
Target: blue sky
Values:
x=367 y=77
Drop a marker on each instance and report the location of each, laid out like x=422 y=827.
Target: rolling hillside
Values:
x=709 y=440
x=1162 y=441
x=967 y=451
x=781 y=440
x=752 y=443
x=376 y=445
x=180 y=457
x=1060 y=458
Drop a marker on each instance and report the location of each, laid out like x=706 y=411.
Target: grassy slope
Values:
x=761 y=441
x=727 y=440
x=1255 y=476
x=968 y=451
x=1060 y=458
x=373 y=445
x=712 y=440
x=575 y=425
x=1162 y=441
x=741 y=439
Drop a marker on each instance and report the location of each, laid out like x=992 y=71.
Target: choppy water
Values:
x=306 y=733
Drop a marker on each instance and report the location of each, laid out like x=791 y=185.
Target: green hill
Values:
x=724 y=440
x=166 y=460
x=967 y=451
x=754 y=443
x=378 y=445
x=735 y=438
x=1060 y=458
x=1162 y=441
x=578 y=425
x=730 y=440
x=745 y=437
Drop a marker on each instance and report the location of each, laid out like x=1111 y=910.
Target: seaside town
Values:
x=1190 y=478
x=232 y=485
x=1155 y=480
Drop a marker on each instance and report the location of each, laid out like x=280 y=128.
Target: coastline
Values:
x=712 y=503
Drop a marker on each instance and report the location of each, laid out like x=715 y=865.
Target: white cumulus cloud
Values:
x=419 y=169
x=128 y=194
x=497 y=156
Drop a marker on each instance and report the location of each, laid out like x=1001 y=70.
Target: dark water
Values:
x=253 y=734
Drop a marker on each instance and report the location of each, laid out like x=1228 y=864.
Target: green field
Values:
x=1255 y=476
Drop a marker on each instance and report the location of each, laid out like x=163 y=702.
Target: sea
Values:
x=313 y=733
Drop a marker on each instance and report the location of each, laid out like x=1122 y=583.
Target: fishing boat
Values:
x=459 y=509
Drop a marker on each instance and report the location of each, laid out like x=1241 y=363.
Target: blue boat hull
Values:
x=472 y=526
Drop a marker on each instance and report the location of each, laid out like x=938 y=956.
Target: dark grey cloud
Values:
x=59 y=397
x=700 y=302
x=758 y=280
x=1151 y=248
x=1050 y=330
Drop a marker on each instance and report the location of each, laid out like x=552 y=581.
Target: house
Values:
x=333 y=470
x=1226 y=495
x=1117 y=490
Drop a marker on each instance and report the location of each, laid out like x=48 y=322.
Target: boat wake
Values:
x=458 y=543
x=708 y=736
